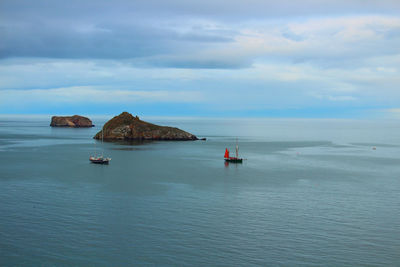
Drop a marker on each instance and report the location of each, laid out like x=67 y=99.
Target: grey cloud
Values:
x=236 y=9
x=194 y=61
x=108 y=41
x=159 y=33
x=98 y=29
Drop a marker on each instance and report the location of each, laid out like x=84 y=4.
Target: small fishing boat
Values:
x=236 y=159
x=99 y=159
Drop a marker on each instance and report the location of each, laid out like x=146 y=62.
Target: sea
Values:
x=310 y=192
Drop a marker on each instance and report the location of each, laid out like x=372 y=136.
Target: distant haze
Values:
x=290 y=58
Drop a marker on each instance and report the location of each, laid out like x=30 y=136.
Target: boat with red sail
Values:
x=236 y=159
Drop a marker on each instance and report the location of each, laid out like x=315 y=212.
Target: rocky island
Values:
x=127 y=127
x=75 y=121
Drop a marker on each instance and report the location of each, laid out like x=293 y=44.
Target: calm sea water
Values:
x=310 y=193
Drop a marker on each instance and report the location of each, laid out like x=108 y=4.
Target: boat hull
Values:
x=99 y=160
x=234 y=160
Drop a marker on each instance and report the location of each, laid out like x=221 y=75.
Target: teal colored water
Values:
x=310 y=193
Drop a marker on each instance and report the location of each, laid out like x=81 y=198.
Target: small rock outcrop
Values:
x=127 y=127
x=75 y=121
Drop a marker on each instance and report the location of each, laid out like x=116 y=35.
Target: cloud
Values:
x=236 y=9
x=393 y=110
x=264 y=85
x=256 y=55
x=390 y=113
x=335 y=97
x=88 y=94
x=201 y=35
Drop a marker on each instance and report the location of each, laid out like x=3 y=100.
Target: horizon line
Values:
x=198 y=117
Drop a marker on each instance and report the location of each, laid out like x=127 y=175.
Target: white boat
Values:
x=99 y=159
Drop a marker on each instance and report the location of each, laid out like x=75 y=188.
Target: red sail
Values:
x=226 y=153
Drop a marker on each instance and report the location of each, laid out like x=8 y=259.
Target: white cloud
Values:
x=334 y=97
x=89 y=94
x=266 y=84
x=321 y=40
x=390 y=113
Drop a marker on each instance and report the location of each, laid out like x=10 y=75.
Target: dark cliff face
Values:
x=127 y=127
x=75 y=121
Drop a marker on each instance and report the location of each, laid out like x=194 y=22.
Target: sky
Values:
x=209 y=58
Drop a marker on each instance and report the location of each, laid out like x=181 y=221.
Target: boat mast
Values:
x=95 y=148
x=237 y=149
x=102 y=137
